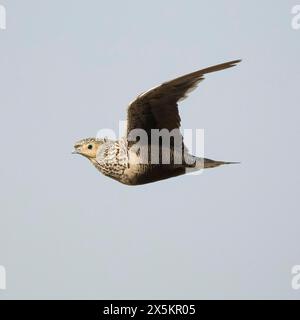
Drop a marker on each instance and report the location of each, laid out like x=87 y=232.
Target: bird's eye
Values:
x=90 y=146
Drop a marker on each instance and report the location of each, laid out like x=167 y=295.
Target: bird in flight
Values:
x=153 y=147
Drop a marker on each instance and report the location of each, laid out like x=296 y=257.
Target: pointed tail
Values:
x=208 y=163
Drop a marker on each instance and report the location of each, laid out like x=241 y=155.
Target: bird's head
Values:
x=87 y=147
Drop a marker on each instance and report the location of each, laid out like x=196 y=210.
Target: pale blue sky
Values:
x=68 y=69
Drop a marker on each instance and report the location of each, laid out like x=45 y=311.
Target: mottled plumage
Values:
x=128 y=160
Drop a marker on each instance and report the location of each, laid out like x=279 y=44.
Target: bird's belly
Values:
x=141 y=174
x=140 y=170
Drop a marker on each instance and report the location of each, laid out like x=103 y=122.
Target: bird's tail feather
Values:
x=204 y=163
x=208 y=163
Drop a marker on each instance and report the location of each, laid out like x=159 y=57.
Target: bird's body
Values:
x=148 y=159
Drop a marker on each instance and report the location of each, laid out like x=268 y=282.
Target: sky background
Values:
x=68 y=69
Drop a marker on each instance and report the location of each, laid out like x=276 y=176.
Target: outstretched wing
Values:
x=158 y=107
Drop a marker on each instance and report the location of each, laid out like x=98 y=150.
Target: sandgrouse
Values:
x=142 y=156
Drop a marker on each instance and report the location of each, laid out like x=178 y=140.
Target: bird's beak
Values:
x=75 y=152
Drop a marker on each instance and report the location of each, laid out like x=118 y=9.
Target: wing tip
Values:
x=235 y=62
x=221 y=66
x=231 y=64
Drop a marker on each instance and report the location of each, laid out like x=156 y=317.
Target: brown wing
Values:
x=158 y=109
